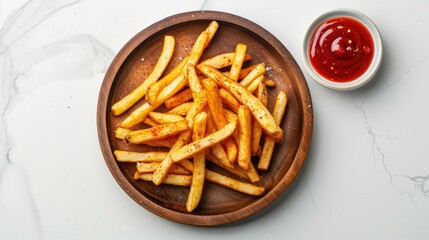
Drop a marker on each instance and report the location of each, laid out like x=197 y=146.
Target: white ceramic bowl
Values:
x=376 y=61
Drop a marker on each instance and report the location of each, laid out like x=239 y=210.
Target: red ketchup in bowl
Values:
x=341 y=49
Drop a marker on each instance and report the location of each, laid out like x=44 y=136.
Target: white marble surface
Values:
x=366 y=176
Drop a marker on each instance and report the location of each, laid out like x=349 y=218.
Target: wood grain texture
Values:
x=134 y=63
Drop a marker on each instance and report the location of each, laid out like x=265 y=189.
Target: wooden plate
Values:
x=135 y=61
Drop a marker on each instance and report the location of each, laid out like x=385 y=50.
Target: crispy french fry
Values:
x=180 y=98
x=151 y=167
x=194 y=82
x=225 y=181
x=129 y=100
x=141 y=113
x=223 y=60
x=122 y=133
x=259 y=111
x=150 y=122
x=156 y=87
x=217 y=150
x=256 y=72
x=229 y=100
x=198 y=175
x=268 y=82
x=234 y=170
x=197 y=49
x=164 y=167
x=211 y=30
x=230 y=115
x=157 y=132
x=164 y=118
x=254 y=85
x=172 y=179
x=244 y=133
x=182 y=109
x=147 y=157
x=204 y=143
x=261 y=94
x=218 y=115
x=200 y=102
x=253 y=174
x=240 y=52
x=268 y=148
x=165 y=142
x=245 y=71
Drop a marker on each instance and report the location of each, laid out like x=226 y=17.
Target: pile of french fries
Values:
x=212 y=115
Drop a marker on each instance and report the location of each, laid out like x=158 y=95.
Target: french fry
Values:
x=157 y=132
x=141 y=113
x=165 y=142
x=252 y=174
x=240 y=52
x=172 y=179
x=198 y=175
x=180 y=98
x=268 y=82
x=218 y=115
x=156 y=87
x=268 y=148
x=254 y=85
x=129 y=100
x=229 y=100
x=200 y=102
x=227 y=182
x=234 y=170
x=204 y=143
x=151 y=167
x=223 y=60
x=122 y=133
x=163 y=168
x=261 y=94
x=256 y=72
x=146 y=157
x=164 y=118
x=194 y=82
x=244 y=133
x=182 y=109
x=217 y=150
x=259 y=111
x=150 y=122
x=245 y=71
x=211 y=30
x=230 y=115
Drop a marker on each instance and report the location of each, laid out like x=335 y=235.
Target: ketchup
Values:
x=341 y=49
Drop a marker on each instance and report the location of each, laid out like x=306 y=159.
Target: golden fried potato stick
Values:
x=211 y=30
x=268 y=148
x=182 y=109
x=164 y=118
x=244 y=135
x=223 y=60
x=122 y=133
x=129 y=100
x=198 y=175
x=204 y=143
x=268 y=82
x=259 y=111
x=217 y=150
x=197 y=50
x=254 y=85
x=156 y=87
x=229 y=100
x=234 y=170
x=200 y=102
x=178 y=99
x=151 y=167
x=194 y=82
x=157 y=132
x=146 y=157
x=261 y=94
x=218 y=115
x=253 y=174
x=227 y=182
x=256 y=72
x=237 y=63
x=141 y=113
x=164 y=167
x=172 y=179
x=245 y=71
x=150 y=122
